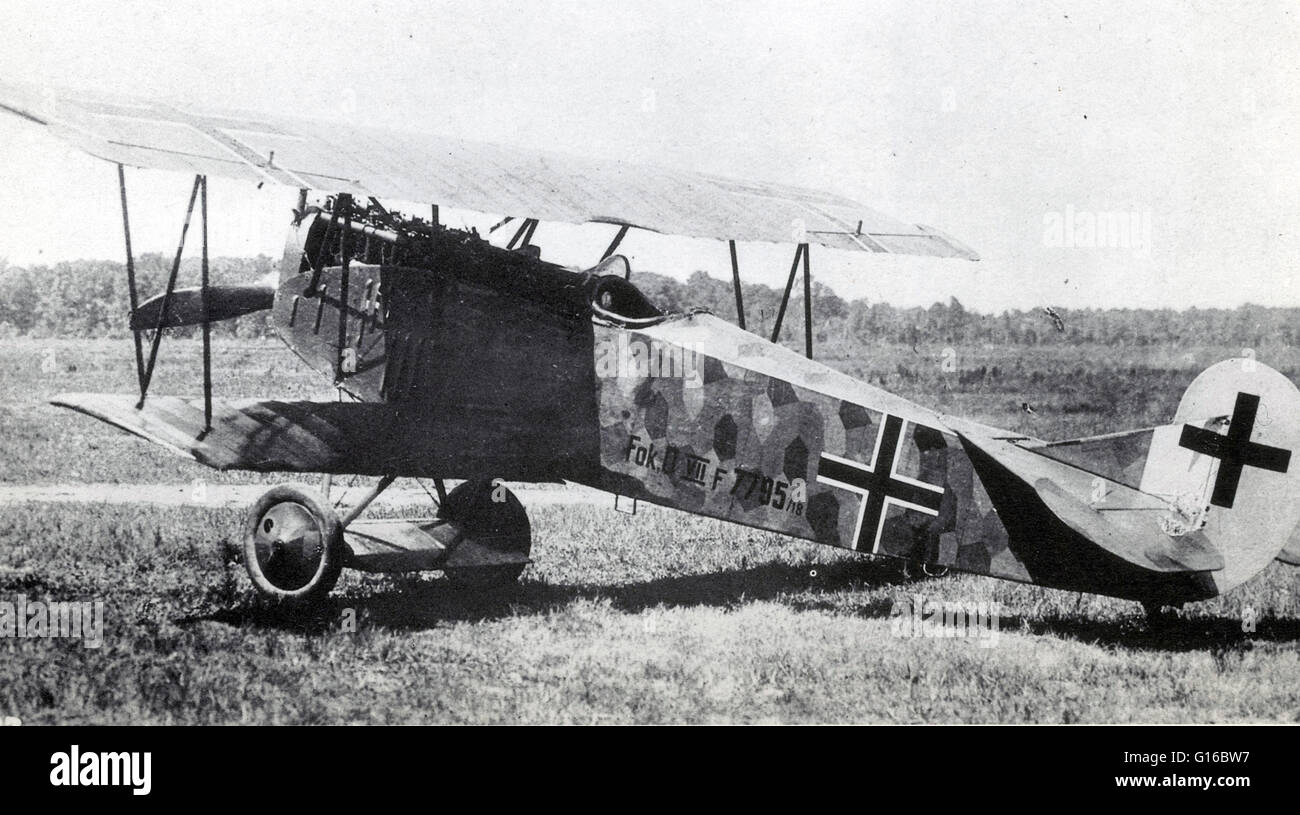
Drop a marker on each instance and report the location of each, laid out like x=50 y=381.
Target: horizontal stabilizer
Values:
x=186 y=307
x=1109 y=514
x=1192 y=553
x=1118 y=456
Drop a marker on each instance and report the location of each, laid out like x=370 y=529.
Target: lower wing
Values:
x=360 y=438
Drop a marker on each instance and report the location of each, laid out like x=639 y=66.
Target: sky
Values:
x=1011 y=127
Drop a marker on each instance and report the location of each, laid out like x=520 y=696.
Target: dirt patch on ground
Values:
x=242 y=495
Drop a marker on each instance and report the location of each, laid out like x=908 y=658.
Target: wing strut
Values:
x=130 y=278
x=807 y=304
x=207 y=323
x=345 y=249
x=144 y=371
x=613 y=245
x=800 y=256
x=167 y=295
x=735 y=284
x=526 y=230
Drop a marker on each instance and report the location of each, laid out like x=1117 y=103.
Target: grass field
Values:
x=661 y=617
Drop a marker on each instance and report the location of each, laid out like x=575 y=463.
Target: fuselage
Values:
x=509 y=367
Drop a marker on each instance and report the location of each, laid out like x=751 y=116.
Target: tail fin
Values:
x=1225 y=465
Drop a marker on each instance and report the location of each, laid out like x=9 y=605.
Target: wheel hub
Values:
x=289 y=545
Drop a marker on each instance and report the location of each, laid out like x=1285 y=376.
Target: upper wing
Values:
x=341 y=157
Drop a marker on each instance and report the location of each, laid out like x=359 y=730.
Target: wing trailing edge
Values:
x=358 y=438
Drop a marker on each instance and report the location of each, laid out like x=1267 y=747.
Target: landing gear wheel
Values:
x=293 y=545
x=492 y=516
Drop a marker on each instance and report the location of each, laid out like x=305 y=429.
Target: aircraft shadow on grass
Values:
x=413 y=604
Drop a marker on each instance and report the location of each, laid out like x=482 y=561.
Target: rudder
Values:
x=1225 y=465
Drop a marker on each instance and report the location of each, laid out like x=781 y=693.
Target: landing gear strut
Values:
x=295 y=544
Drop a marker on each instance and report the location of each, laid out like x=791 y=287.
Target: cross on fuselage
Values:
x=878 y=485
x=1235 y=450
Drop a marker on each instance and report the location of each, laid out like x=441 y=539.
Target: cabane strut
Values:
x=800 y=255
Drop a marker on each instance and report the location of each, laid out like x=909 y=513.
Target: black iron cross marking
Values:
x=878 y=484
x=1235 y=450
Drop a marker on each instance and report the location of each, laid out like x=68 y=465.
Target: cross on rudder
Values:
x=1235 y=451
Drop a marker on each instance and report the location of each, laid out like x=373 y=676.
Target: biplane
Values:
x=459 y=358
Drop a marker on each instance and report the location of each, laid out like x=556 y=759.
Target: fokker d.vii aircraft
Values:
x=462 y=359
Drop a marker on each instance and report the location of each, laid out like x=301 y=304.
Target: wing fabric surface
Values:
x=344 y=157
x=362 y=438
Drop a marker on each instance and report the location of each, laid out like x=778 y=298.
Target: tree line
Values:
x=88 y=298
x=950 y=323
